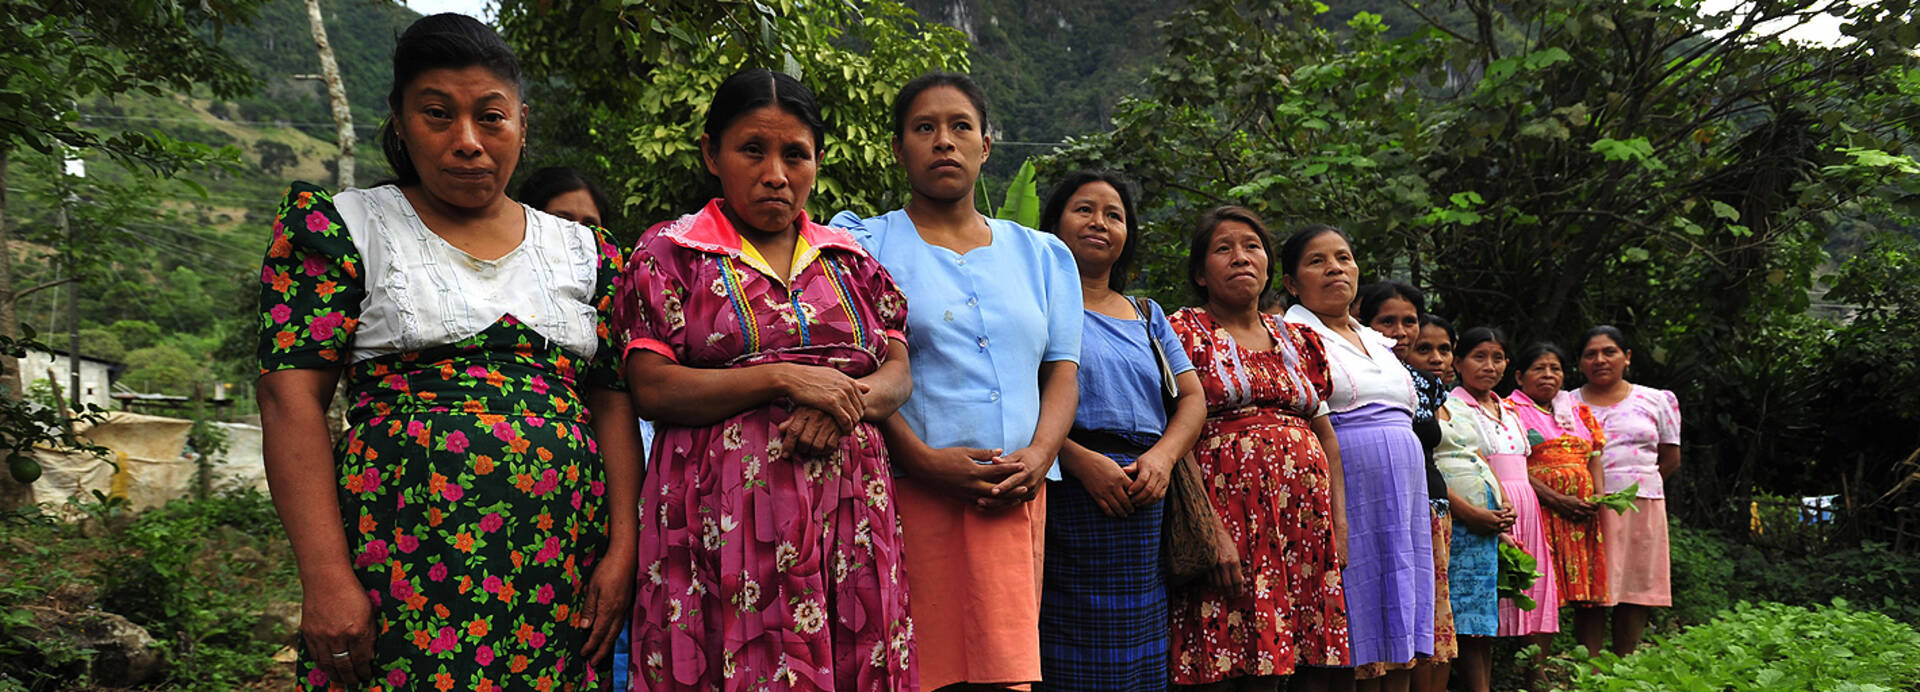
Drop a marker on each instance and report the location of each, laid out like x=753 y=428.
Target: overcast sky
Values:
x=1823 y=30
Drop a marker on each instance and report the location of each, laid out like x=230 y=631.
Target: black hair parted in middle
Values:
x=1538 y=349
x=441 y=41
x=1375 y=295
x=754 y=88
x=955 y=80
x=1062 y=194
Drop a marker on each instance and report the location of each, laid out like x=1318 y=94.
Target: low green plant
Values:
x=1769 y=646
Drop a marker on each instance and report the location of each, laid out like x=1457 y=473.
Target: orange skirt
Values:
x=973 y=587
x=1579 y=561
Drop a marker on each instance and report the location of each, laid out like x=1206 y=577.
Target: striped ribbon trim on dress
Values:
x=834 y=276
x=742 y=308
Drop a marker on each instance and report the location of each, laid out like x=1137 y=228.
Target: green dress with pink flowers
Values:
x=470 y=486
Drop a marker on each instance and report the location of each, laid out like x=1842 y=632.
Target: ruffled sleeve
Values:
x=1666 y=417
x=1313 y=362
x=889 y=304
x=311 y=286
x=605 y=370
x=649 y=303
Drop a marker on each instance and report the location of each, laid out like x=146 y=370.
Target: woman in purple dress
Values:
x=1389 y=575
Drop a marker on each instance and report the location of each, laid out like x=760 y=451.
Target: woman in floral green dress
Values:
x=474 y=527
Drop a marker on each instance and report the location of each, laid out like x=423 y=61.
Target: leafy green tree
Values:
x=642 y=74
x=1551 y=164
x=165 y=370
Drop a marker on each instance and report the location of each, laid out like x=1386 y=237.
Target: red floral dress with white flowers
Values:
x=470 y=484
x=762 y=568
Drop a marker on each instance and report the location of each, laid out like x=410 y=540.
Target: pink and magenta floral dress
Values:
x=761 y=568
x=469 y=482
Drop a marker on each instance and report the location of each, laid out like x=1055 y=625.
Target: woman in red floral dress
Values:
x=1261 y=455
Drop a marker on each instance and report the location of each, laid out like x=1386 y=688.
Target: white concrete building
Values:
x=96 y=375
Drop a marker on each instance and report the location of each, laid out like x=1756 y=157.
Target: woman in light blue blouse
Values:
x=1103 y=611
x=995 y=334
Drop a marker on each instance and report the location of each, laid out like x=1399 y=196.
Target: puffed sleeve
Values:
x=889 y=304
x=1066 y=316
x=649 y=303
x=605 y=370
x=1169 y=341
x=1666 y=418
x=854 y=226
x=1313 y=362
x=310 y=285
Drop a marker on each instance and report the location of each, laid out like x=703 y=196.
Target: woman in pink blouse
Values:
x=1642 y=427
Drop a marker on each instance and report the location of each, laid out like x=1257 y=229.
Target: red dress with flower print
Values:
x=1269 y=482
x=761 y=568
x=469 y=481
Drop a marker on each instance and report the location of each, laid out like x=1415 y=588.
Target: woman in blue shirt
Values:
x=995 y=334
x=1103 y=611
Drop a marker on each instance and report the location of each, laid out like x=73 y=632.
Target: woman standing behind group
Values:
x=1389 y=578
x=1642 y=426
x=1563 y=464
x=1103 y=611
x=1395 y=309
x=1269 y=459
x=995 y=331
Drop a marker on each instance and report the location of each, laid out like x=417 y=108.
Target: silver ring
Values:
x=339 y=654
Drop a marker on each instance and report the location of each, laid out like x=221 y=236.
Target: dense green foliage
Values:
x=638 y=96
x=1769 y=646
x=195 y=574
x=1712 y=572
x=1549 y=165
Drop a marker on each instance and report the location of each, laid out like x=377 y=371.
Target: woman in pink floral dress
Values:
x=765 y=345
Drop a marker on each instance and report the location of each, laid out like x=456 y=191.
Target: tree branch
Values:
x=50 y=284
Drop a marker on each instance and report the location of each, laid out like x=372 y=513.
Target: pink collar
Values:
x=709 y=231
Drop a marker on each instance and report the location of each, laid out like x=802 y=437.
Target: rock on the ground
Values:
x=124 y=654
x=279 y=623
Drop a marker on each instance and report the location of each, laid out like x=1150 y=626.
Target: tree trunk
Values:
x=11 y=383
x=336 y=95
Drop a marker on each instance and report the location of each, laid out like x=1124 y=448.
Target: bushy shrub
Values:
x=1770 y=646
x=1712 y=572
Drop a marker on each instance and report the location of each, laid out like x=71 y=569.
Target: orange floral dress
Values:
x=1561 y=444
x=1269 y=482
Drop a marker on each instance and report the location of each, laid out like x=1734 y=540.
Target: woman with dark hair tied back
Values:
x=1565 y=469
x=996 y=342
x=1395 y=309
x=1482 y=362
x=1389 y=577
x=1271 y=465
x=1481 y=512
x=1642 y=426
x=475 y=526
x=1103 y=608
x=766 y=347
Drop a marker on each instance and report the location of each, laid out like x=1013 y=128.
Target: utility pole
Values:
x=75 y=167
x=336 y=94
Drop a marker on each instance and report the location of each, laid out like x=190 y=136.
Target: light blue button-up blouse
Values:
x=979 y=325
